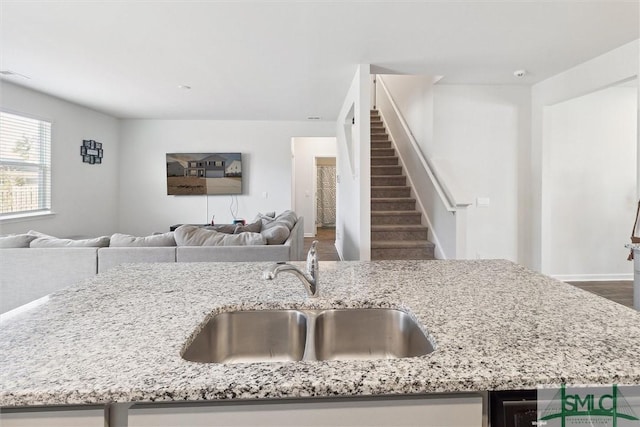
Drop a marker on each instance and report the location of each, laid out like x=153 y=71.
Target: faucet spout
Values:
x=308 y=278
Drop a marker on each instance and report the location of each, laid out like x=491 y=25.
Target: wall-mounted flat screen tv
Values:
x=204 y=173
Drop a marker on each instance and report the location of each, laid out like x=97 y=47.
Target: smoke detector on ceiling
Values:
x=520 y=73
x=314 y=118
x=184 y=87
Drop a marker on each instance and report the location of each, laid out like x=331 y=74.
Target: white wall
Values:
x=413 y=96
x=353 y=170
x=84 y=196
x=600 y=72
x=305 y=150
x=592 y=171
x=482 y=132
x=144 y=204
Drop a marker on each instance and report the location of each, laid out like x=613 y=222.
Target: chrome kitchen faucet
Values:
x=309 y=278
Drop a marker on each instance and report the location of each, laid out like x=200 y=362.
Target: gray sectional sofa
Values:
x=27 y=274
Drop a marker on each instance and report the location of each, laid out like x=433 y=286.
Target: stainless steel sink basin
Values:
x=250 y=336
x=290 y=335
x=368 y=334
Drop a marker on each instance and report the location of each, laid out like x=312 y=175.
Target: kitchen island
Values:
x=117 y=339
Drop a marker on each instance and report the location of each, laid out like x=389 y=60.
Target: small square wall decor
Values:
x=91 y=151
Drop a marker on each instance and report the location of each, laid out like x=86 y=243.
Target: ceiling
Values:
x=287 y=60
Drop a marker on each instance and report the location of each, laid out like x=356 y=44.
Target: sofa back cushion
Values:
x=222 y=228
x=190 y=235
x=276 y=234
x=254 y=227
x=16 y=241
x=156 y=240
x=54 y=242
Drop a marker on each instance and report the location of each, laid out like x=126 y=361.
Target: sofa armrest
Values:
x=295 y=242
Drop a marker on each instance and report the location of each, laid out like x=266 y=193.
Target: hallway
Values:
x=326 y=237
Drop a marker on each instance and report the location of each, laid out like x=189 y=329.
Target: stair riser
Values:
x=386 y=170
x=399 y=235
x=383 y=152
x=394 y=192
x=384 y=161
x=381 y=144
x=396 y=220
x=379 y=137
x=392 y=206
x=413 y=253
x=388 y=180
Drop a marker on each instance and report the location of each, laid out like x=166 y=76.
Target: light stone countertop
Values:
x=497 y=326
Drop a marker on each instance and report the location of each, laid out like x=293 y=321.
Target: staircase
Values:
x=396 y=228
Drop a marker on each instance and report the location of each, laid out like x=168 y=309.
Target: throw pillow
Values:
x=38 y=234
x=126 y=240
x=254 y=227
x=276 y=234
x=190 y=235
x=54 y=242
x=16 y=241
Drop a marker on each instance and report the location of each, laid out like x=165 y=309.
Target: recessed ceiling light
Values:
x=184 y=87
x=9 y=73
x=314 y=118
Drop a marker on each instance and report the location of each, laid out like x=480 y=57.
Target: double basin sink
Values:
x=294 y=335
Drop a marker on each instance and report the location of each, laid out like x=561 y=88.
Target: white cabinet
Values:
x=376 y=411
x=50 y=417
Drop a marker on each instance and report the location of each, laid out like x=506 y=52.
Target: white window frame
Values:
x=42 y=166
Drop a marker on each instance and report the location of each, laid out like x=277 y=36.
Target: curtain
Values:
x=326 y=203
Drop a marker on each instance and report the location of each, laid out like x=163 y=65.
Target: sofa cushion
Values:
x=38 y=234
x=190 y=235
x=287 y=218
x=126 y=240
x=222 y=228
x=254 y=227
x=54 y=242
x=16 y=241
x=276 y=234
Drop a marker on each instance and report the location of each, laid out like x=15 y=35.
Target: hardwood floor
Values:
x=618 y=291
x=326 y=247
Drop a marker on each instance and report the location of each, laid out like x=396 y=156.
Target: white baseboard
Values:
x=309 y=235
x=338 y=251
x=592 y=277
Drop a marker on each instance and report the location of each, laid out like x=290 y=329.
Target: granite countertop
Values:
x=497 y=326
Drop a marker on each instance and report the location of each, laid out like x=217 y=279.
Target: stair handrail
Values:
x=443 y=191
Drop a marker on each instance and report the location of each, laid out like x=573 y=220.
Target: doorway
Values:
x=309 y=153
x=325 y=191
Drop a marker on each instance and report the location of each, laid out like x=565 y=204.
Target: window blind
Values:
x=25 y=165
